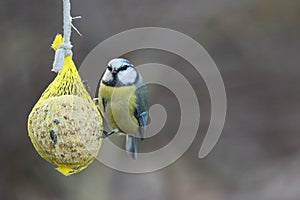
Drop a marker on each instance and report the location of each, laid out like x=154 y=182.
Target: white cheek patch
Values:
x=107 y=76
x=128 y=76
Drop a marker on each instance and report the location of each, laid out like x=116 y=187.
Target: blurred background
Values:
x=254 y=43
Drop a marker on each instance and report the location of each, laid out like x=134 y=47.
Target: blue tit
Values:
x=123 y=101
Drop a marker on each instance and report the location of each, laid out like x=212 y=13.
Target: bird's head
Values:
x=120 y=72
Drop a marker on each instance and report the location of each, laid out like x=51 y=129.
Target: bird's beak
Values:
x=114 y=72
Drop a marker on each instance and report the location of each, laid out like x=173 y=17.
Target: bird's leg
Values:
x=106 y=133
x=87 y=87
x=96 y=101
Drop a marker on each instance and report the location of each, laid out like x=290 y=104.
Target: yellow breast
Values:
x=121 y=103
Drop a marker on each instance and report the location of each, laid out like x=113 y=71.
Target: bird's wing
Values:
x=140 y=111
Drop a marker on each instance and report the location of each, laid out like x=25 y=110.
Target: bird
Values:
x=122 y=101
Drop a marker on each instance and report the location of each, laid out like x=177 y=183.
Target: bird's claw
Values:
x=106 y=133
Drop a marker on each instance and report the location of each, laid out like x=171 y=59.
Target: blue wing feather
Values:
x=140 y=112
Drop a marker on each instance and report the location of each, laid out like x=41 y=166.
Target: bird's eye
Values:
x=123 y=68
x=109 y=68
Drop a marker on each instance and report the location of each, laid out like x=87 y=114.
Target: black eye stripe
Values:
x=123 y=68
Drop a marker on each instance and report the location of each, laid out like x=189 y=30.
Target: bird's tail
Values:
x=132 y=146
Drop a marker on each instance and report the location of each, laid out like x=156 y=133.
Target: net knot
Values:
x=61 y=51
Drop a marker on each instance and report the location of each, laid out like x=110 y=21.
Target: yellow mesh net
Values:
x=65 y=126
